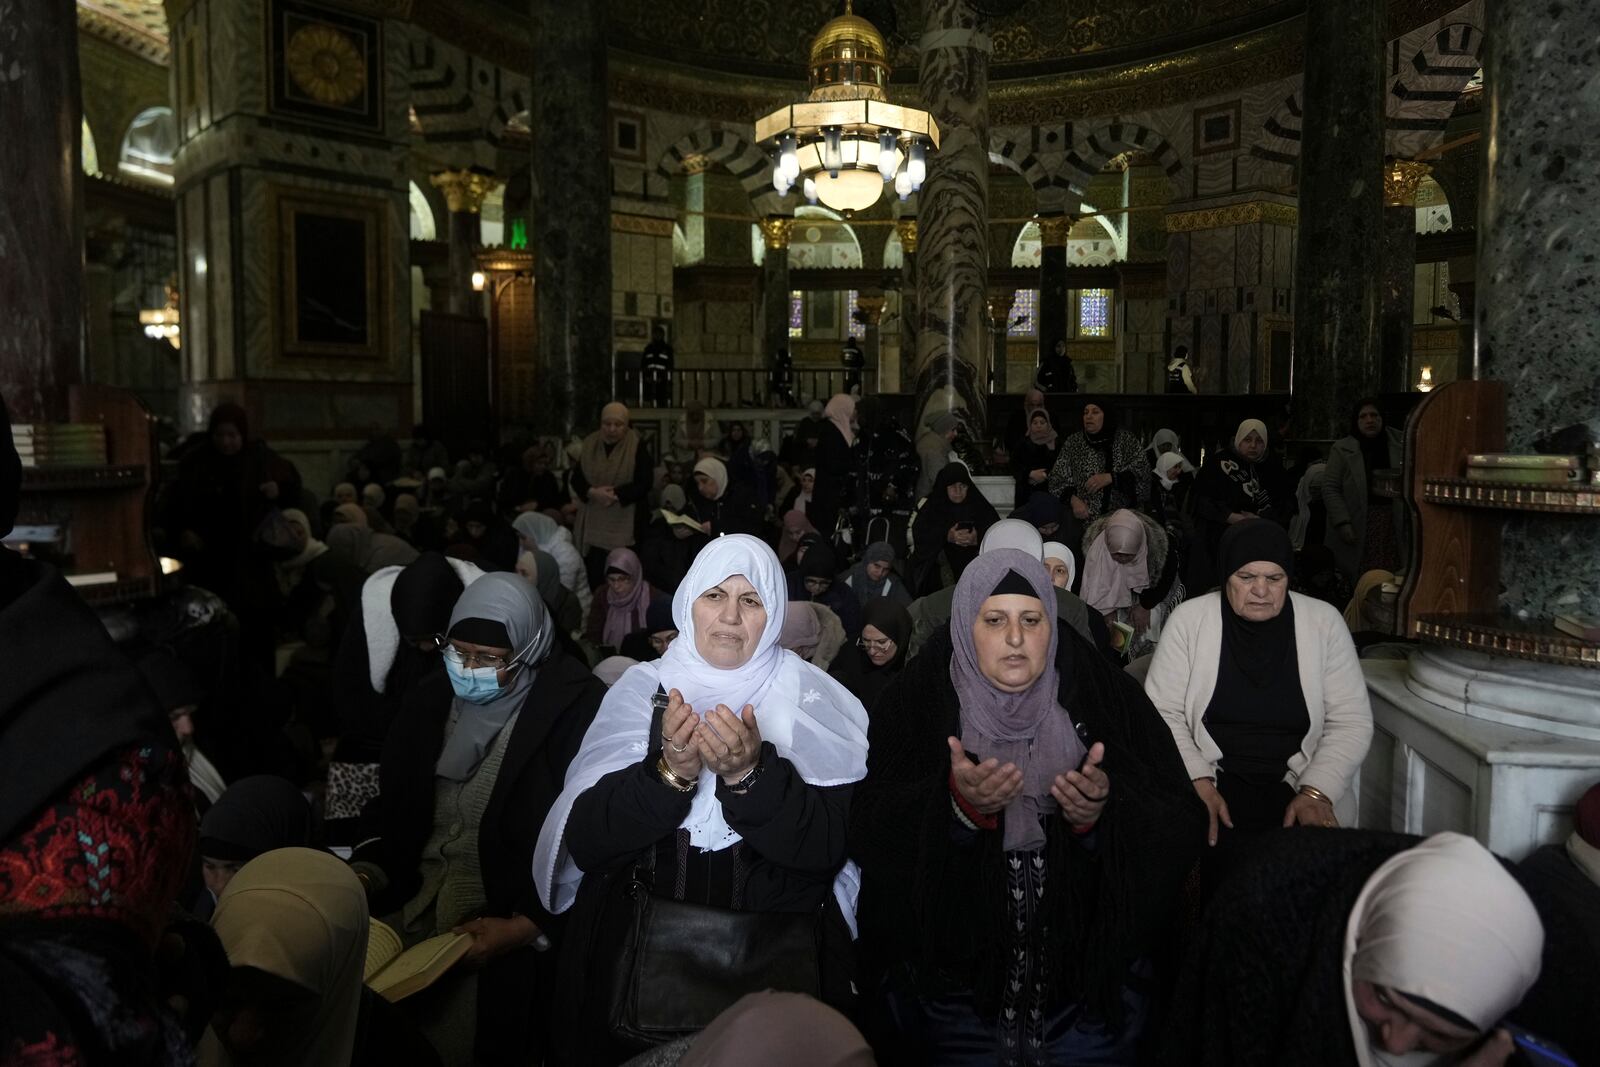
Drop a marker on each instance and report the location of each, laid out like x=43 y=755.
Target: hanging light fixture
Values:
x=845 y=141
x=1425 y=382
x=163 y=324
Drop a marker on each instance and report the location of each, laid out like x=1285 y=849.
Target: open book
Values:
x=395 y=973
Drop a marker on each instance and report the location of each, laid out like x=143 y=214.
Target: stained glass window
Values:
x=797 y=313
x=1024 y=314
x=1094 y=313
x=852 y=328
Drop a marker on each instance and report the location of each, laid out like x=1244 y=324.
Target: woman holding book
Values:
x=468 y=771
x=1364 y=529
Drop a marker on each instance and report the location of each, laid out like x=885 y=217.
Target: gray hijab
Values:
x=1030 y=729
x=510 y=601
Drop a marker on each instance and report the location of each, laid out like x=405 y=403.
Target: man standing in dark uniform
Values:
x=657 y=367
x=854 y=360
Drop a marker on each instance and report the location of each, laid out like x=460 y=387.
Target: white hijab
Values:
x=1164 y=468
x=1057 y=550
x=1446 y=922
x=812 y=720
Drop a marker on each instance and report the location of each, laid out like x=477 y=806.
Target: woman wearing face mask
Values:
x=720 y=776
x=468 y=771
x=1023 y=832
x=1363 y=948
x=1265 y=698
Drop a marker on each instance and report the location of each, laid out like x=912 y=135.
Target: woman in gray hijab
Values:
x=469 y=770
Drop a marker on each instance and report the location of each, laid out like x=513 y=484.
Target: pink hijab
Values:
x=838 y=412
x=625 y=614
x=795 y=526
x=1107 y=584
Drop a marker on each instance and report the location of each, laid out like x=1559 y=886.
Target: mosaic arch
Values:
x=743 y=160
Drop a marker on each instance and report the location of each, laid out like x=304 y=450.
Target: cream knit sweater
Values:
x=1183 y=676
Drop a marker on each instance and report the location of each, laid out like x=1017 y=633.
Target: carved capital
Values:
x=1054 y=230
x=907 y=229
x=775 y=231
x=871 y=309
x=693 y=165
x=1000 y=302
x=464 y=190
x=1400 y=180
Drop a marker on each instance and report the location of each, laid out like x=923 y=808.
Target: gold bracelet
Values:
x=1315 y=794
x=676 y=781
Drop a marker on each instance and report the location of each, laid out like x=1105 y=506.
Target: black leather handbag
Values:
x=682 y=964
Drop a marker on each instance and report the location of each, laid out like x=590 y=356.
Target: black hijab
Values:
x=1375 y=449
x=1108 y=424
x=855 y=671
x=975 y=509
x=423 y=594
x=1261 y=651
x=255 y=815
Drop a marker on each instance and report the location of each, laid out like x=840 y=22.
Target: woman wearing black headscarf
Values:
x=468 y=772
x=96 y=825
x=948 y=528
x=1101 y=467
x=1023 y=833
x=816 y=579
x=1363 y=529
x=254 y=815
x=878 y=655
x=1269 y=709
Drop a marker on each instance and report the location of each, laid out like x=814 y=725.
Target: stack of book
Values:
x=60 y=444
x=1532 y=469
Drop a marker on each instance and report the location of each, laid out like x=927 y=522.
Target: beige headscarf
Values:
x=717 y=471
x=607 y=527
x=838 y=412
x=1446 y=922
x=299 y=914
x=289 y=572
x=1244 y=430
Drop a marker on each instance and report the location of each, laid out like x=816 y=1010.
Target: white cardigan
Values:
x=1183 y=676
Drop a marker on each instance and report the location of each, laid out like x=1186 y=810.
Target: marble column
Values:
x=910 y=322
x=999 y=306
x=775 y=233
x=571 y=212
x=870 y=304
x=953 y=334
x=464 y=192
x=1537 y=328
x=41 y=213
x=1336 y=291
x=1400 y=180
x=1052 y=326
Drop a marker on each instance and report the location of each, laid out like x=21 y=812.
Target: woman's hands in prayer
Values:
x=1306 y=810
x=1216 y=807
x=729 y=744
x=493 y=937
x=960 y=535
x=1083 y=793
x=678 y=725
x=987 y=786
x=1080 y=509
x=1098 y=482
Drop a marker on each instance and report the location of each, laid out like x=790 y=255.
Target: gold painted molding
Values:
x=907 y=229
x=464 y=190
x=1055 y=229
x=1216 y=218
x=648 y=225
x=775 y=232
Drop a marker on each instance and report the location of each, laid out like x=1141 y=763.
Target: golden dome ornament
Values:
x=326 y=65
x=845 y=141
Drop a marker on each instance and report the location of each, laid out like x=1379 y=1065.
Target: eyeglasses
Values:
x=470 y=659
x=882 y=644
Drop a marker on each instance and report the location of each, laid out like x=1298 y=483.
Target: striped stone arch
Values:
x=747 y=163
x=1279 y=141
x=1425 y=89
x=512 y=105
x=1089 y=154
x=441 y=93
x=1021 y=159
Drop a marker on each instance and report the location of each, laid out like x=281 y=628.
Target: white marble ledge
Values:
x=1490 y=742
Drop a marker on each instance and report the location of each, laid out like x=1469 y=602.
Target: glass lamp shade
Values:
x=860 y=181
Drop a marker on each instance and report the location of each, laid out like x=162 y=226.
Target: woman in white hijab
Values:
x=538 y=530
x=1334 y=948
x=728 y=764
x=1062 y=565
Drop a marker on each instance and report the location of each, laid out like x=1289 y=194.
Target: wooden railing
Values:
x=735 y=387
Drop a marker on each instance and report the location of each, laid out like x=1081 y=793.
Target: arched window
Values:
x=821 y=238
x=150 y=146
x=1027 y=250
x=423 y=225
x=492 y=218
x=91 y=157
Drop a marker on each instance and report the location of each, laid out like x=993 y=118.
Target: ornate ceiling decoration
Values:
x=140 y=26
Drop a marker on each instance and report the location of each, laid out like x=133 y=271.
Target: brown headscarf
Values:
x=607 y=527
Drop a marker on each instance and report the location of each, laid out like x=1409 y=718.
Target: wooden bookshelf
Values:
x=1509 y=496
x=103 y=509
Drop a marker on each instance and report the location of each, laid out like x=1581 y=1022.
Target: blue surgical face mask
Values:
x=476 y=686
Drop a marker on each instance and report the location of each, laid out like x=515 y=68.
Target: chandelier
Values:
x=162 y=324
x=844 y=142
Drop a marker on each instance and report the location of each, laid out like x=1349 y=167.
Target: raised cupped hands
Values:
x=678 y=724
x=988 y=786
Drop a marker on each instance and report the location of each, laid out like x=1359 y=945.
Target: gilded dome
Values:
x=849 y=59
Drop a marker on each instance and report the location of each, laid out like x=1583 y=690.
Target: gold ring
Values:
x=679 y=748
